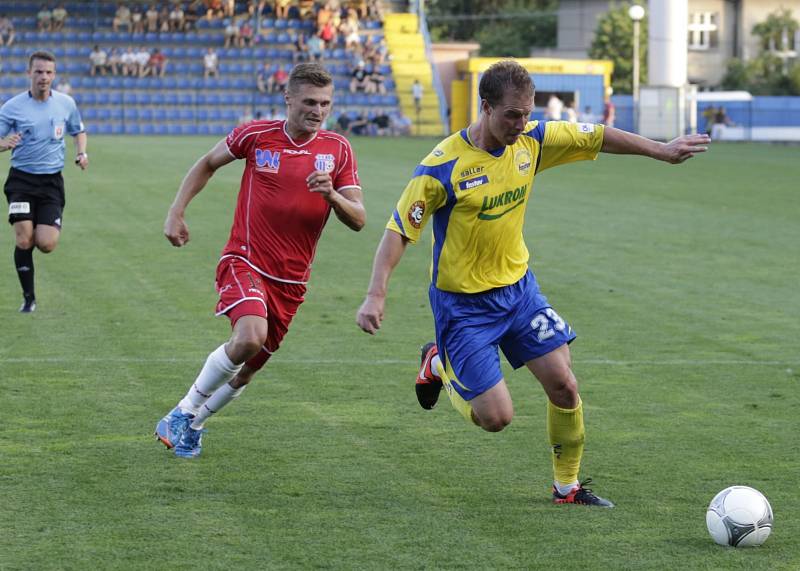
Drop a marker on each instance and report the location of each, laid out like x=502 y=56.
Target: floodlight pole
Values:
x=636 y=13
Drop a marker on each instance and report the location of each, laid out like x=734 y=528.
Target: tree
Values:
x=502 y=27
x=613 y=39
x=767 y=74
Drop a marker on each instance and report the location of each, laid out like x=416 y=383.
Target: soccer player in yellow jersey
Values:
x=474 y=186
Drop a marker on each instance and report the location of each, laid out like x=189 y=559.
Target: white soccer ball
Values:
x=739 y=516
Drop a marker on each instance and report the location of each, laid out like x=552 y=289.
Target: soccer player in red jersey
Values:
x=295 y=174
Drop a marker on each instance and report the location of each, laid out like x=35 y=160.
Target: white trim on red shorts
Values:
x=260 y=271
x=227 y=309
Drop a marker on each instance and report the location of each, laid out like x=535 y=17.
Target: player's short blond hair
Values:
x=308 y=74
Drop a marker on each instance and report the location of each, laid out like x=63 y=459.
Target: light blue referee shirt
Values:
x=42 y=125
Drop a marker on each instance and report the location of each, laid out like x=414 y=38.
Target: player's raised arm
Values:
x=175 y=228
x=390 y=250
x=678 y=150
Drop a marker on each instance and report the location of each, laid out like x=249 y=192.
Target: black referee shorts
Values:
x=35 y=197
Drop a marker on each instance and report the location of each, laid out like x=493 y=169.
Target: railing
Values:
x=437 y=80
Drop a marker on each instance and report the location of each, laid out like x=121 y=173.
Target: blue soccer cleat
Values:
x=170 y=428
x=190 y=444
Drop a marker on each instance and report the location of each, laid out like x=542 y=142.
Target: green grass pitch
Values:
x=681 y=281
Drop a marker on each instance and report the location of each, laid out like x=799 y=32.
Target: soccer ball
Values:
x=739 y=516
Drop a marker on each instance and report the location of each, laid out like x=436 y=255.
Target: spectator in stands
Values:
x=44 y=19
x=342 y=125
x=157 y=64
x=232 y=33
x=177 y=19
x=6 y=30
x=401 y=125
x=609 y=109
x=114 y=61
x=721 y=122
x=572 y=115
x=214 y=9
x=64 y=86
x=376 y=81
x=122 y=17
x=210 y=63
x=229 y=8
x=281 y=9
x=137 y=19
x=352 y=39
x=360 y=7
x=375 y=10
x=305 y=9
x=59 y=18
x=587 y=116
x=194 y=12
x=151 y=19
x=316 y=48
x=324 y=15
x=300 y=52
x=246 y=34
x=262 y=77
x=163 y=19
x=417 y=93
x=359 y=78
x=381 y=123
x=276 y=83
x=359 y=125
x=99 y=60
x=246 y=116
x=276 y=114
x=142 y=59
x=554 y=108
x=328 y=35
x=130 y=65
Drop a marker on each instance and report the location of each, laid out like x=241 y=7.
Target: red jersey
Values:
x=278 y=221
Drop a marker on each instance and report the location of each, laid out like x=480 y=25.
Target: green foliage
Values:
x=772 y=29
x=502 y=27
x=765 y=74
x=613 y=39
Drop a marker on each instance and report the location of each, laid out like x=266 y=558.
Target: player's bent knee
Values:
x=496 y=423
x=46 y=247
x=25 y=242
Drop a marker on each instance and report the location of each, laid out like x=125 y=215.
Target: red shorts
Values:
x=243 y=291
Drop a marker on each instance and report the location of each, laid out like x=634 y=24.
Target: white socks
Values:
x=217 y=371
x=220 y=398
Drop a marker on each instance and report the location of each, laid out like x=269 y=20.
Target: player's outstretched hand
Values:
x=370 y=314
x=685 y=147
x=176 y=230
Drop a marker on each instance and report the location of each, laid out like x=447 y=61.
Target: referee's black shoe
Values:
x=29 y=305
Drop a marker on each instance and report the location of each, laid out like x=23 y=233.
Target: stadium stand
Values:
x=182 y=101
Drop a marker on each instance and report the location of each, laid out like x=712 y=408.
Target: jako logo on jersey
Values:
x=268 y=161
x=415 y=213
x=473 y=182
x=515 y=197
x=324 y=163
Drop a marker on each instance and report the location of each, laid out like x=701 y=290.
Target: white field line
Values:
x=369 y=362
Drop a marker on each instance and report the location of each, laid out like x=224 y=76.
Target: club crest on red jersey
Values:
x=324 y=163
x=268 y=161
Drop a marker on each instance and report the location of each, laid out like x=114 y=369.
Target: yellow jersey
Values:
x=477 y=200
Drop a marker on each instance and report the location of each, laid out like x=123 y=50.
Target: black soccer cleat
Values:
x=428 y=385
x=28 y=306
x=581 y=495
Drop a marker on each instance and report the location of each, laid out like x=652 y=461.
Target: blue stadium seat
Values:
x=160 y=129
x=173 y=129
x=89 y=113
x=160 y=114
x=147 y=129
x=145 y=114
x=132 y=129
x=188 y=129
x=201 y=114
x=131 y=113
x=185 y=98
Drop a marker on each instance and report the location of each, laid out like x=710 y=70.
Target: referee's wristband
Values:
x=79 y=155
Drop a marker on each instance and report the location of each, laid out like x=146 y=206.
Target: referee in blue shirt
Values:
x=33 y=125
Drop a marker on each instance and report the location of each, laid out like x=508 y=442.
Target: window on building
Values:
x=703 y=31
